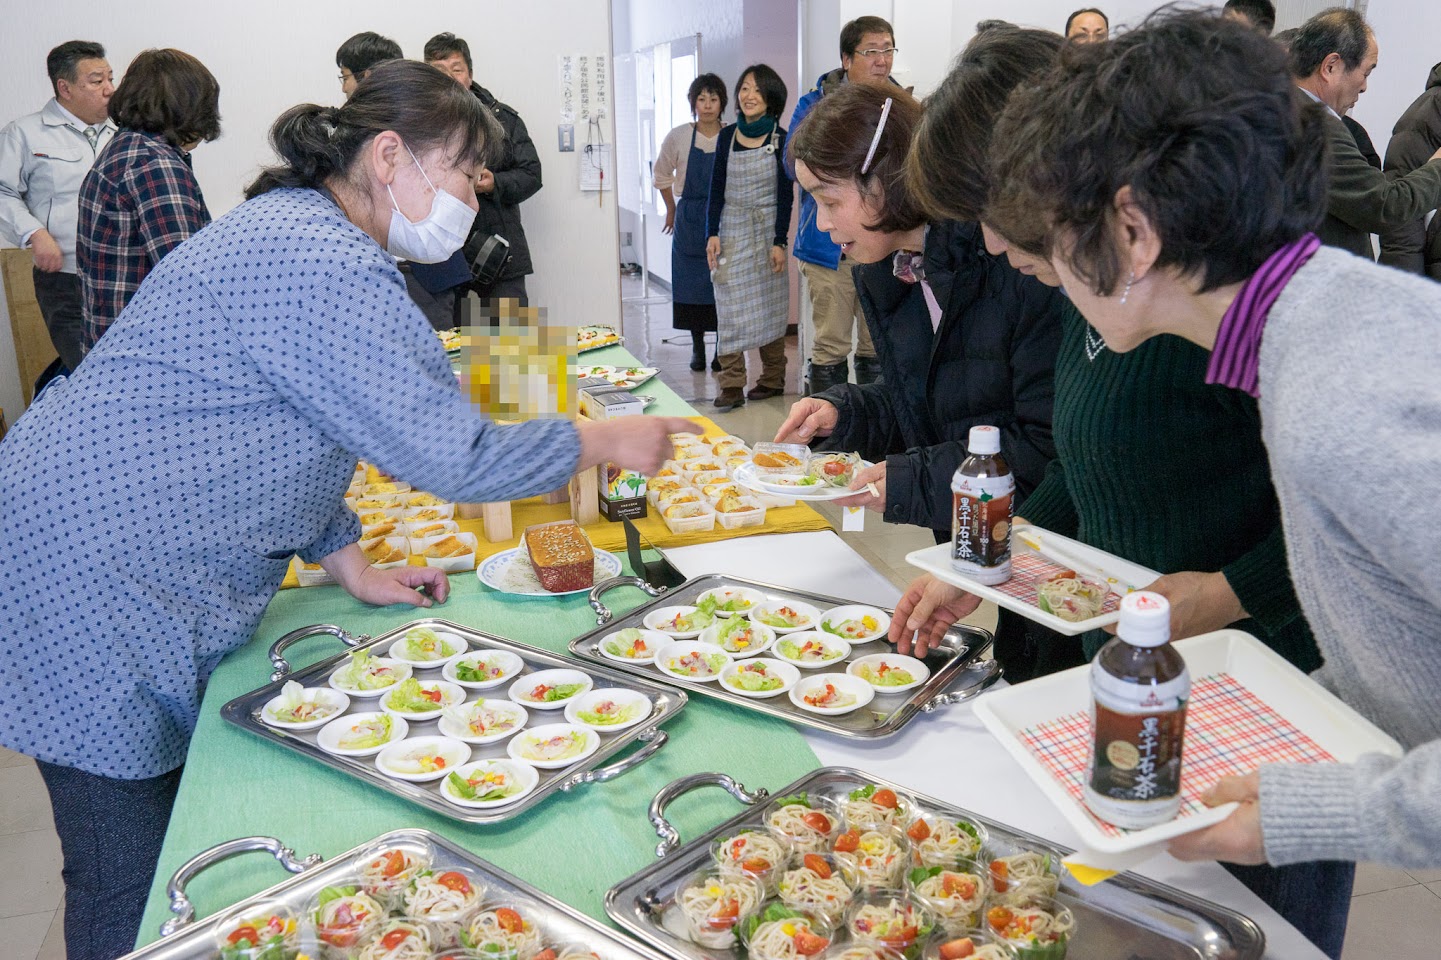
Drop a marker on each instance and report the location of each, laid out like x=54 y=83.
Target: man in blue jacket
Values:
x=868 y=48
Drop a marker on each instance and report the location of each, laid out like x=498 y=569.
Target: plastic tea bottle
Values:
x=1139 y=689
x=982 y=494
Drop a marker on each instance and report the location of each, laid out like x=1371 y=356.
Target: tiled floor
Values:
x=1394 y=913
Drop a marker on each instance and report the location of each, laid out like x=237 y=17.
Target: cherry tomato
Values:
x=834 y=469
x=394 y=863
x=1000 y=870
x=725 y=915
x=919 y=831
x=509 y=920
x=955 y=885
x=998 y=917
x=884 y=798
x=432 y=695
x=901 y=938
x=817 y=821
x=958 y=949
x=809 y=944
x=817 y=865
x=244 y=933
x=848 y=842
x=394 y=939
x=454 y=881
x=546 y=954
x=755 y=865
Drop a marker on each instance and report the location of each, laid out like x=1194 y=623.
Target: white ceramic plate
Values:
x=520 y=691
x=785 y=672
x=450 y=695
x=654 y=640
x=722 y=594
x=761 y=638
x=660 y=620
x=522 y=774
x=400 y=758
x=834 y=645
x=667 y=657
x=784 y=484
x=506 y=662
x=856 y=611
x=328 y=739
x=333 y=702
x=402 y=673
x=528 y=745
x=812 y=616
x=456 y=722
x=844 y=683
x=631 y=707
x=877 y=662
x=455 y=646
x=510 y=572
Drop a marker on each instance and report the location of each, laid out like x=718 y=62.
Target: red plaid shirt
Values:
x=140 y=201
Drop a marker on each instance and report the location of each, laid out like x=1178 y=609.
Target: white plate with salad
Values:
x=731 y=600
x=624 y=377
x=553 y=745
x=422 y=759
x=632 y=645
x=889 y=672
x=811 y=650
x=800 y=485
x=786 y=616
x=856 y=623
x=831 y=694
x=483 y=721
x=510 y=572
x=421 y=700
x=759 y=679
x=549 y=689
x=489 y=783
x=303 y=708
x=678 y=623
x=361 y=734
x=424 y=648
x=739 y=637
x=483 y=669
x=367 y=676
x=610 y=710
x=692 y=660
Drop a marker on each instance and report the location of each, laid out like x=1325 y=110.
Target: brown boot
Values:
x=759 y=392
x=729 y=399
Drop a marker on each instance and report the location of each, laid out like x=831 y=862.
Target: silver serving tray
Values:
x=958 y=656
x=1128 y=916
x=244 y=712
x=182 y=938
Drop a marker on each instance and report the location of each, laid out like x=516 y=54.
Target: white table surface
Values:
x=823 y=563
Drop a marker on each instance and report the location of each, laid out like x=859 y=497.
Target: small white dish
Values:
x=747 y=640
x=515 y=774
x=857 y=692
x=744 y=599
x=796 y=614
x=692 y=661
x=609 y=710
x=494 y=715
x=380 y=667
x=498 y=665
x=406 y=759
x=451 y=647
x=871 y=668
x=531 y=689
x=450 y=694
x=765 y=666
x=663 y=620
x=856 y=612
x=553 y=745
x=811 y=650
x=327 y=702
x=652 y=639
x=330 y=735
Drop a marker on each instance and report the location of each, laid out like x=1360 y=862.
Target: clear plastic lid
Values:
x=1145 y=619
x=984 y=441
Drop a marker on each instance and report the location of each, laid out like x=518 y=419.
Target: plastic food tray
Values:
x=184 y=938
x=958 y=656
x=1129 y=916
x=244 y=712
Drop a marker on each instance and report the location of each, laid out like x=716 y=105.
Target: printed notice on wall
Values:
x=584 y=87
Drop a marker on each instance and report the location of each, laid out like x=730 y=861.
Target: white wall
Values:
x=1409 y=35
x=269 y=55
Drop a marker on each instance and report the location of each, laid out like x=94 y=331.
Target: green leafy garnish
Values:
x=410 y=697
x=335 y=893
x=864 y=793
x=799 y=799
x=562 y=692
x=920 y=873
x=772 y=913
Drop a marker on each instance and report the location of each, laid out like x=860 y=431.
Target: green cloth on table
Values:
x=573 y=846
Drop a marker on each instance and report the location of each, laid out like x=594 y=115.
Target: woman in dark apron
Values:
x=687 y=155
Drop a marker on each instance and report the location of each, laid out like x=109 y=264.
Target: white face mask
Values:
x=436 y=238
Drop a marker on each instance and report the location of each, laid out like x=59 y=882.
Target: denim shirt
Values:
x=150 y=503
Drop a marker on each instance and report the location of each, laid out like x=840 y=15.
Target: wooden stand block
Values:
x=584 y=496
x=497 y=519
x=557 y=496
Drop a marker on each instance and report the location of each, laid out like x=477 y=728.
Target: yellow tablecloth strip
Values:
x=606 y=535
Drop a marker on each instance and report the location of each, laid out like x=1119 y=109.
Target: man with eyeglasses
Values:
x=868 y=49
x=359 y=54
x=43 y=160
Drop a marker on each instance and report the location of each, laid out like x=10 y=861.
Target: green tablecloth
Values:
x=573 y=846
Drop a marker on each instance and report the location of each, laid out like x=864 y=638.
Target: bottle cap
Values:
x=984 y=441
x=1145 y=619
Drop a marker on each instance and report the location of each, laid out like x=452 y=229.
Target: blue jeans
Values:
x=110 y=834
x=1315 y=898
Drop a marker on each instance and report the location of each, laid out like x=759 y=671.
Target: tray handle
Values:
x=653 y=740
x=669 y=835
x=602 y=612
x=180 y=904
x=992 y=672
x=277 y=649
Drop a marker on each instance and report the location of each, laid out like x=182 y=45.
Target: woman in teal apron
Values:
x=688 y=155
x=748 y=219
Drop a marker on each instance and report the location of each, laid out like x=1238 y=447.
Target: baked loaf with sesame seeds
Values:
x=561 y=555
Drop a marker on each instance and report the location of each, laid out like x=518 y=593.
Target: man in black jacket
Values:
x=513 y=178
x=1415 y=140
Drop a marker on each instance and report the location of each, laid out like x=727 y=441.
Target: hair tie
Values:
x=329 y=121
x=875 y=141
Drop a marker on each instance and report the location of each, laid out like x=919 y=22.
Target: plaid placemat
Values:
x=1029 y=571
x=1229 y=730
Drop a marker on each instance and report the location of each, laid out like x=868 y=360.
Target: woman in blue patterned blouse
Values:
x=153 y=500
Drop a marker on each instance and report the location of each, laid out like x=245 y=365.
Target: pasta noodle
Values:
x=947 y=844
x=751 y=847
x=488 y=931
x=414 y=946
x=386 y=874
x=776 y=940
x=1071 y=598
x=429 y=899
x=789 y=821
x=707 y=905
x=1030 y=925
x=862 y=812
x=804 y=889
x=345 y=920
x=895 y=923
x=954 y=897
x=878 y=860
x=1023 y=875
